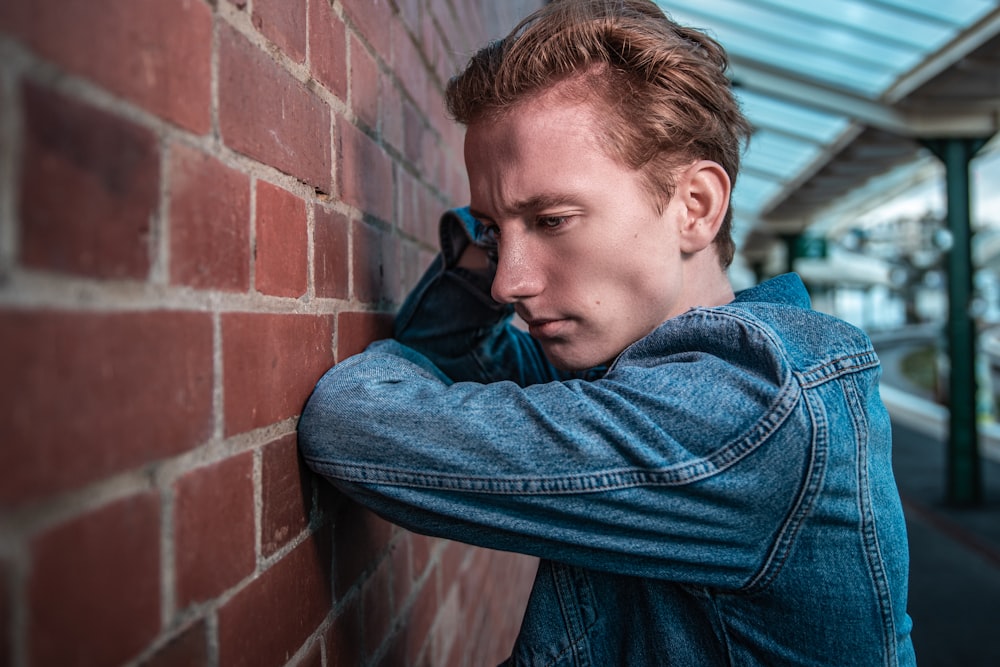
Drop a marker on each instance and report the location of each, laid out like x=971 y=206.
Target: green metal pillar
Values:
x=964 y=475
x=791 y=242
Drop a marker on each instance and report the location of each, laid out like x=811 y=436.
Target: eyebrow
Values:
x=537 y=202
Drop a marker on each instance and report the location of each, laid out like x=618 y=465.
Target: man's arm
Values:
x=451 y=318
x=624 y=473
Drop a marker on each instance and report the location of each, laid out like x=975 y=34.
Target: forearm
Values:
x=451 y=318
x=566 y=470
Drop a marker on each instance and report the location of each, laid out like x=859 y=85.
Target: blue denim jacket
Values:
x=721 y=495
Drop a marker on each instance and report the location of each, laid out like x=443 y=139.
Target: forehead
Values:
x=537 y=150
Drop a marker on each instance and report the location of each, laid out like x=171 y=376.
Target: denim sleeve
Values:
x=625 y=473
x=451 y=319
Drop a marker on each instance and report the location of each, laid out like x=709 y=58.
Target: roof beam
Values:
x=815 y=95
x=812 y=94
x=964 y=43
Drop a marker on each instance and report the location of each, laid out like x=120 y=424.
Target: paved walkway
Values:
x=954 y=557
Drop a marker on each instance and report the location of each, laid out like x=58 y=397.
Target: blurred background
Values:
x=873 y=172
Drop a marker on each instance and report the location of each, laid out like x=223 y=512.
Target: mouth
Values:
x=542 y=328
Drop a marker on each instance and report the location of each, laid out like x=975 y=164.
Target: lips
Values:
x=545 y=328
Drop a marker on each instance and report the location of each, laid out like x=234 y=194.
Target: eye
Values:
x=552 y=222
x=489 y=233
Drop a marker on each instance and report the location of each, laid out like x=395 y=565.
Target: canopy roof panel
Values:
x=840 y=91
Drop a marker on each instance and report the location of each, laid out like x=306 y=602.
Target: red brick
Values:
x=402 y=572
x=343 y=639
x=376 y=264
x=271 y=364
x=187 y=649
x=265 y=113
x=286 y=494
x=377 y=607
x=408 y=63
x=313 y=657
x=416 y=628
x=364 y=172
x=390 y=118
x=99 y=393
x=414 y=131
x=272 y=617
x=328 y=48
x=94 y=588
x=89 y=183
x=360 y=538
x=330 y=253
x=422 y=549
x=209 y=222
x=213 y=528
x=364 y=84
x=356 y=330
x=283 y=22
x=6 y=617
x=282 y=243
x=155 y=53
x=372 y=19
x=410 y=12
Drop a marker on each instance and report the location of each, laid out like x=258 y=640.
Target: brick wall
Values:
x=204 y=204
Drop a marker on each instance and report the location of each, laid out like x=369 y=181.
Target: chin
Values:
x=570 y=362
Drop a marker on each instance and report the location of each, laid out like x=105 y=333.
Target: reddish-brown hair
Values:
x=664 y=87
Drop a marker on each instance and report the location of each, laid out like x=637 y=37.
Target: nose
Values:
x=519 y=273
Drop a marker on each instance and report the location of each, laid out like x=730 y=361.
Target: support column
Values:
x=964 y=475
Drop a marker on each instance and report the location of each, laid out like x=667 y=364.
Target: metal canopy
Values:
x=839 y=91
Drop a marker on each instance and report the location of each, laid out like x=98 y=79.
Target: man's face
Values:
x=584 y=256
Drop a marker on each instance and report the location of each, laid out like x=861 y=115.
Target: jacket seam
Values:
x=804 y=502
x=594 y=482
x=869 y=533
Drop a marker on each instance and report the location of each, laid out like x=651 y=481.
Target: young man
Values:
x=705 y=476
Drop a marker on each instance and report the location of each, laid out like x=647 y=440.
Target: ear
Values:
x=703 y=190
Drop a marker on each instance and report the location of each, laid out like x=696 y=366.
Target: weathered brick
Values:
x=414 y=131
x=286 y=490
x=313 y=657
x=409 y=66
x=343 y=639
x=328 y=48
x=270 y=365
x=155 y=53
x=290 y=600
x=213 y=528
x=265 y=113
x=410 y=11
x=209 y=222
x=356 y=330
x=402 y=572
x=415 y=630
x=391 y=121
x=360 y=537
x=364 y=172
x=99 y=393
x=187 y=649
x=94 y=588
x=372 y=19
x=330 y=253
x=422 y=548
x=89 y=184
x=282 y=257
x=377 y=607
x=376 y=264
x=283 y=22
x=6 y=616
x=364 y=84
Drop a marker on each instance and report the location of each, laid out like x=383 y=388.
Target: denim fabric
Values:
x=722 y=494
